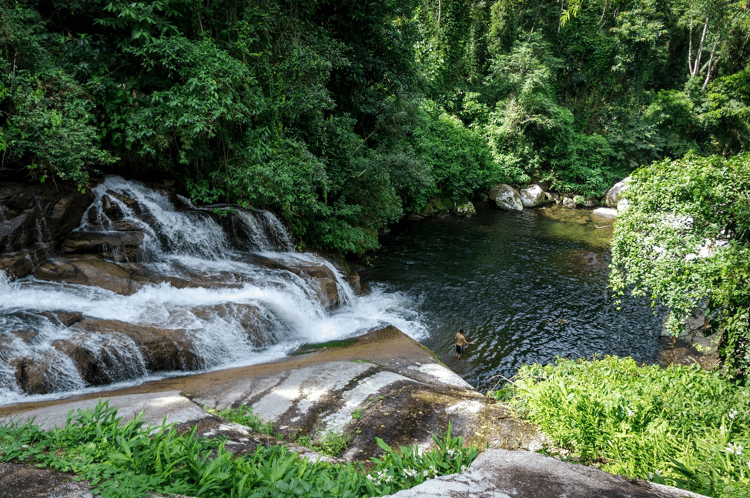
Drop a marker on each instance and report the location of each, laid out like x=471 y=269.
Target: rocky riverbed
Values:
x=398 y=391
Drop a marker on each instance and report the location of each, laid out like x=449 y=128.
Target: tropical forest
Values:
x=342 y=119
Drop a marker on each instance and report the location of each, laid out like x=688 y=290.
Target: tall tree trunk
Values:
x=695 y=66
x=710 y=66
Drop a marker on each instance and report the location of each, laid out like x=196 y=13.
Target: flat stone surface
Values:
x=155 y=406
x=20 y=481
x=606 y=213
x=523 y=474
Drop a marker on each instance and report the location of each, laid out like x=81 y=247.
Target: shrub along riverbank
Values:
x=680 y=426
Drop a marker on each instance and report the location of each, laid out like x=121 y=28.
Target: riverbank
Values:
x=382 y=386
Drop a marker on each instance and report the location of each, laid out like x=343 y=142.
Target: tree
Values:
x=685 y=242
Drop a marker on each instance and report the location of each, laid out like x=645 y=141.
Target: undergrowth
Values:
x=130 y=459
x=680 y=426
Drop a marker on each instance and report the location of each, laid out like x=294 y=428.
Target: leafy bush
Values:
x=685 y=242
x=681 y=426
x=131 y=460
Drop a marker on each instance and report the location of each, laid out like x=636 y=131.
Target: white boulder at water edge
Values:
x=533 y=196
x=506 y=198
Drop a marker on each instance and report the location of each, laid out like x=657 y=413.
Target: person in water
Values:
x=460 y=340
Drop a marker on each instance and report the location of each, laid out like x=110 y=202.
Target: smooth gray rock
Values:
x=523 y=474
x=607 y=213
x=533 y=196
x=613 y=195
x=506 y=198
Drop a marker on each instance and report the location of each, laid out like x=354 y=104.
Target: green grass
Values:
x=131 y=459
x=680 y=426
x=244 y=415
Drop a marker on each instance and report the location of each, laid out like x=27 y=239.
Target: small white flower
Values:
x=734 y=449
x=410 y=473
x=732 y=413
x=629 y=412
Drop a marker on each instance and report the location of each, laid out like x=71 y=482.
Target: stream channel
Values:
x=527 y=288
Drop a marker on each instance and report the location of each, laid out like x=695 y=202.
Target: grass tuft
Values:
x=129 y=459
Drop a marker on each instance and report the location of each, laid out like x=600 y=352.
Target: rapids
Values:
x=176 y=241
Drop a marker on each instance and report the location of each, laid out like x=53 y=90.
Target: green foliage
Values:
x=129 y=459
x=48 y=121
x=685 y=242
x=457 y=158
x=628 y=420
x=244 y=415
x=343 y=117
x=408 y=467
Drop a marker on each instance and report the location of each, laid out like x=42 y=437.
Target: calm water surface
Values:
x=527 y=288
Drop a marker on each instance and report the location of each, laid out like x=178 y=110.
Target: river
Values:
x=527 y=287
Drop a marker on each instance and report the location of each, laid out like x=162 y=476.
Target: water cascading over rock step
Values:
x=147 y=283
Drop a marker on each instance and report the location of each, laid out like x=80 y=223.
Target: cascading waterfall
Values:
x=282 y=306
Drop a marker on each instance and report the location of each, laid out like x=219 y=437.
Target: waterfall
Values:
x=241 y=311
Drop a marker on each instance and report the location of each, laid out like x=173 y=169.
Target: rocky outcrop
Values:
x=614 y=194
x=158 y=348
x=36 y=216
x=381 y=385
x=533 y=196
x=115 y=245
x=506 y=198
x=523 y=474
x=106 y=351
x=92 y=270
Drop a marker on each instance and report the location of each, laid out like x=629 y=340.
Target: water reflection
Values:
x=527 y=287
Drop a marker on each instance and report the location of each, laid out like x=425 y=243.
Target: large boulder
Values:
x=320 y=275
x=506 y=198
x=161 y=349
x=524 y=474
x=33 y=221
x=92 y=270
x=114 y=245
x=614 y=194
x=533 y=196
x=18 y=264
x=38 y=214
x=252 y=319
x=102 y=358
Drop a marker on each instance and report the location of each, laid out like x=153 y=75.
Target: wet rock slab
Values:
x=383 y=384
x=523 y=474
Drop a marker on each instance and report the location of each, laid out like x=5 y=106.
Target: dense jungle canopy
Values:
x=344 y=116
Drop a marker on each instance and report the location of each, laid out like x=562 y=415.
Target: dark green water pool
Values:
x=527 y=287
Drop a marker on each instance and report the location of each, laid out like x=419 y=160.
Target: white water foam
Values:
x=185 y=244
